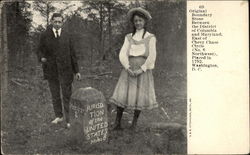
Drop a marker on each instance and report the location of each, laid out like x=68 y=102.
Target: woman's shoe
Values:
x=134 y=123
x=117 y=125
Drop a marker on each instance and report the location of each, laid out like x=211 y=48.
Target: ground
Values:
x=27 y=113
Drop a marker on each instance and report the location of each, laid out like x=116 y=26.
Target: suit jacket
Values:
x=60 y=54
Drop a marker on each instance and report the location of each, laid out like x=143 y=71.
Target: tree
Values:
x=18 y=23
x=112 y=6
x=45 y=8
x=4 y=53
x=95 y=11
x=15 y=25
x=68 y=6
x=168 y=24
x=102 y=11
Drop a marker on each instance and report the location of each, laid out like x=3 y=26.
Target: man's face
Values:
x=57 y=22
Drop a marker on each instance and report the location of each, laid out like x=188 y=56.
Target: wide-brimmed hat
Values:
x=141 y=10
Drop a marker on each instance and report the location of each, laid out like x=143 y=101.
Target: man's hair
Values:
x=56 y=15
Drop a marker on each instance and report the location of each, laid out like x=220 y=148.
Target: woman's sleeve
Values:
x=123 y=54
x=150 y=62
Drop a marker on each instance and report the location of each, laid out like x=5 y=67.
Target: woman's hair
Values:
x=139 y=14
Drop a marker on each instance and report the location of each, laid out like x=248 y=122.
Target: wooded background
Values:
x=98 y=35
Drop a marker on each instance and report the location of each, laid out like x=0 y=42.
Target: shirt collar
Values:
x=59 y=30
x=140 y=31
x=138 y=35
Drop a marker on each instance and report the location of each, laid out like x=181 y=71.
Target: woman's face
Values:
x=139 y=22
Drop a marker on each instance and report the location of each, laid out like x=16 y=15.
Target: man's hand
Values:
x=43 y=59
x=78 y=76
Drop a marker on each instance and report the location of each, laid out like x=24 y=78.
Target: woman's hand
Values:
x=138 y=72
x=130 y=72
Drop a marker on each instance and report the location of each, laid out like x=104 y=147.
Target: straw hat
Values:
x=141 y=10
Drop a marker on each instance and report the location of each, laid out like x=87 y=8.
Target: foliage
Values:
x=45 y=8
x=105 y=13
x=98 y=28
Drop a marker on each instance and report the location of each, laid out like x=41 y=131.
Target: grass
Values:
x=27 y=112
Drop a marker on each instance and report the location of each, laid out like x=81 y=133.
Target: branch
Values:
x=98 y=75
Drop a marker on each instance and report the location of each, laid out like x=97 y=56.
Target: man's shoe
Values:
x=57 y=120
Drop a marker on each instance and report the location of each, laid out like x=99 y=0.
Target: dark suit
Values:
x=59 y=68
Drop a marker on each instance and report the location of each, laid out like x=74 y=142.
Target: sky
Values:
x=37 y=19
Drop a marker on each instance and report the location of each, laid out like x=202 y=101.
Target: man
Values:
x=57 y=55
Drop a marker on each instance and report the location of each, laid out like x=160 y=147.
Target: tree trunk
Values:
x=137 y=3
x=4 y=53
x=101 y=31
x=47 y=14
x=110 y=29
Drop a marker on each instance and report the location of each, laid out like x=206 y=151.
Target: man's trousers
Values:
x=57 y=88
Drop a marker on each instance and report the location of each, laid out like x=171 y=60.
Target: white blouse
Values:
x=137 y=50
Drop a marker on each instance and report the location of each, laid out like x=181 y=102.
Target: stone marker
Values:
x=88 y=115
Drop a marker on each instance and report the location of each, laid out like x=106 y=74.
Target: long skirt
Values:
x=135 y=93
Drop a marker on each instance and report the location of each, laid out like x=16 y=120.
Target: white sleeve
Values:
x=123 y=57
x=150 y=62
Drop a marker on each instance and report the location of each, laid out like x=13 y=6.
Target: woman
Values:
x=135 y=87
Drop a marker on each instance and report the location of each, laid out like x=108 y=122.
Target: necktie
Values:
x=57 y=34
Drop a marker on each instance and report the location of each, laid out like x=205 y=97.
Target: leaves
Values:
x=44 y=7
